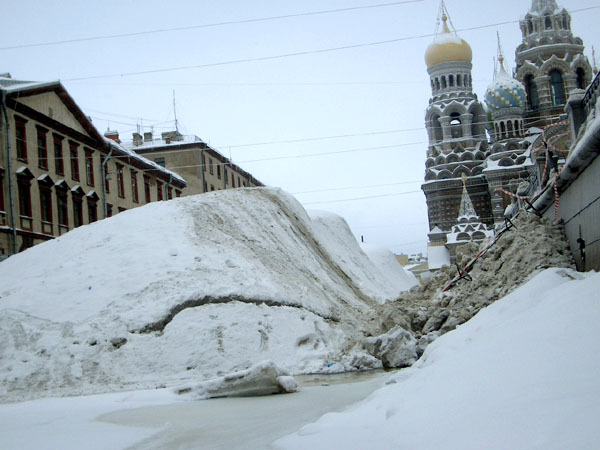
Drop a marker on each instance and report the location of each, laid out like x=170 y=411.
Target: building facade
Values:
x=203 y=168
x=58 y=173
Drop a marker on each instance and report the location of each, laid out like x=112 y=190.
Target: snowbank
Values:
x=380 y=275
x=521 y=374
x=184 y=290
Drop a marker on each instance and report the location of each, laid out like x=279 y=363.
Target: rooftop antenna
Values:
x=175 y=112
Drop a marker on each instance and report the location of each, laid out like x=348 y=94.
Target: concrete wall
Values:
x=579 y=208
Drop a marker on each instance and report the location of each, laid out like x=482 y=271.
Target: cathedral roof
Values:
x=505 y=92
x=541 y=6
x=447 y=47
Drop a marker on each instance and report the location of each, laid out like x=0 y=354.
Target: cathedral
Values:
x=480 y=158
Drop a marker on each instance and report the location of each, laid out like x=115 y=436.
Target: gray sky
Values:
x=363 y=105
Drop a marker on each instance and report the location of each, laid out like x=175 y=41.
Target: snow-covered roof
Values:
x=160 y=142
x=143 y=160
x=11 y=85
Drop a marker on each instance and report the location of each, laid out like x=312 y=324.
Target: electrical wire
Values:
x=300 y=53
x=209 y=25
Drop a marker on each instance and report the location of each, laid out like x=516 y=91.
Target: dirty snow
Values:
x=184 y=291
x=522 y=374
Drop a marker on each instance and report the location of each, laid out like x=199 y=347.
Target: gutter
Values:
x=11 y=194
x=104 y=163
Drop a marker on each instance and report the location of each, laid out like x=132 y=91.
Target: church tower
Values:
x=456 y=126
x=550 y=62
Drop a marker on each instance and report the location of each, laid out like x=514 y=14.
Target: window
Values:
x=147 y=189
x=219 y=171
x=106 y=178
x=548 y=23
x=42 y=148
x=21 y=137
x=451 y=80
x=203 y=162
x=108 y=210
x=159 y=191
x=581 y=84
x=92 y=211
x=77 y=211
x=160 y=161
x=210 y=166
x=24 y=197
x=232 y=180
x=89 y=167
x=120 y=183
x=225 y=175
x=444 y=85
x=169 y=193
x=74 y=160
x=58 y=155
x=212 y=188
x=177 y=193
x=532 y=94
x=455 y=125
x=46 y=203
x=62 y=208
x=134 y=187
x=557 y=88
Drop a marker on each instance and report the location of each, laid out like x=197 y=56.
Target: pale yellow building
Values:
x=203 y=167
x=58 y=173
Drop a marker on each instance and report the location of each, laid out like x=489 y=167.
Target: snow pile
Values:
x=185 y=290
x=532 y=245
x=380 y=276
x=398 y=279
x=265 y=378
x=522 y=374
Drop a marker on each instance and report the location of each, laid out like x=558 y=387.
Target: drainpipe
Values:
x=167 y=187
x=203 y=169
x=11 y=194
x=104 y=163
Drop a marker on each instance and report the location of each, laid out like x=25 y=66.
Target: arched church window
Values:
x=437 y=129
x=548 y=22
x=458 y=81
x=455 y=125
x=581 y=84
x=444 y=85
x=530 y=26
x=565 y=22
x=517 y=129
x=557 y=87
x=437 y=84
x=532 y=94
x=509 y=129
x=502 y=130
x=451 y=80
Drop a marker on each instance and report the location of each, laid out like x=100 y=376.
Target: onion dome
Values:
x=447 y=47
x=505 y=91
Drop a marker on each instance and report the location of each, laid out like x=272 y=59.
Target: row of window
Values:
x=460 y=80
x=211 y=169
x=509 y=128
x=557 y=88
x=559 y=22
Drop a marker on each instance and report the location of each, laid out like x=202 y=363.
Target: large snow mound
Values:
x=522 y=374
x=183 y=290
x=399 y=279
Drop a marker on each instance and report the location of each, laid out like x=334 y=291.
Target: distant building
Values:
x=204 y=168
x=58 y=173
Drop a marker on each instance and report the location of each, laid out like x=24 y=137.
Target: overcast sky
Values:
x=356 y=114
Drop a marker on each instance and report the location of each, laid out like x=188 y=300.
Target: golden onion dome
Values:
x=447 y=47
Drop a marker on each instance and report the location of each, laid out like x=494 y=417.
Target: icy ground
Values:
x=188 y=290
x=521 y=375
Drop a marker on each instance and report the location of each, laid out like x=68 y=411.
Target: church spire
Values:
x=466 y=206
x=539 y=6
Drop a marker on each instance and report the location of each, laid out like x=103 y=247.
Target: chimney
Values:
x=113 y=136
x=148 y=136
x=137 y=139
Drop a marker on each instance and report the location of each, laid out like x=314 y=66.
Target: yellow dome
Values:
x=447 y=47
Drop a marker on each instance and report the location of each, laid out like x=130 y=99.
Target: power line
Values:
x=209 y=25
x=355 y=187
x=301 y=53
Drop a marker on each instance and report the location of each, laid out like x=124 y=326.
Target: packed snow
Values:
x=522 y=374
x=185 y=291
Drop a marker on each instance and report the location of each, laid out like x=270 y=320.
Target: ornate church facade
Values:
x=521 y=112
